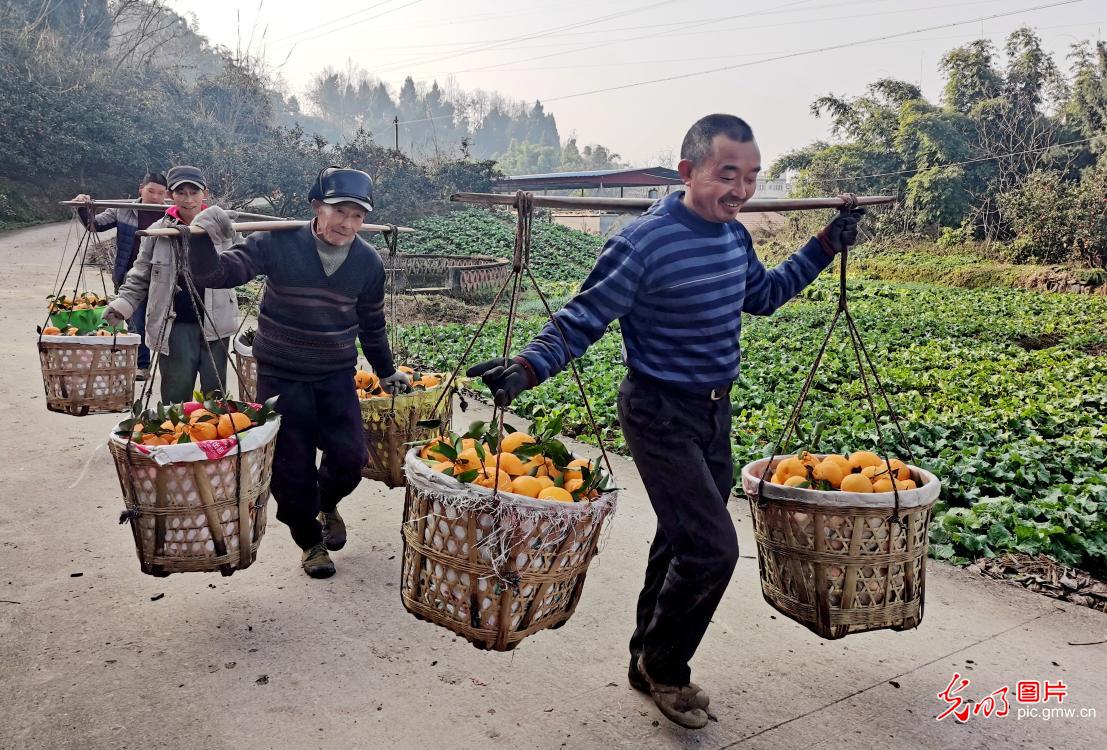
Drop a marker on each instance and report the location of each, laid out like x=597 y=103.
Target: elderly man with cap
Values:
x=324 y=289
x=188 y=328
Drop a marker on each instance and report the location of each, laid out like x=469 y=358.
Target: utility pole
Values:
x=396 y=125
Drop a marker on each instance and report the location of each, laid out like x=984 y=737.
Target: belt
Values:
x=713 y=394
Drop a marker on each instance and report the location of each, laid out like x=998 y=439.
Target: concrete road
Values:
x=94 y=654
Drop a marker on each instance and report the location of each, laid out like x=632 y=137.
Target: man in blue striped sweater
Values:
x=678 y=280
x=324 y=288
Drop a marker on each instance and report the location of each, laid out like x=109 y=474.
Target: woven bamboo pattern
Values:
x=494 y=569
x=390 y=425
x=88 y=374
x=187 y=516
x=840 y=565
x=247 y=369
x=101 y=253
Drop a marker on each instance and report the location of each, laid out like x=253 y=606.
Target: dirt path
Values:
x=93 y=654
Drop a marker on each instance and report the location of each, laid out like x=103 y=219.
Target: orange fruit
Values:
x=808 y=459
x=363 y=379
x=882 y=485
x=201 y=414
x=405 y=368
x=229 y=424
x=203 y=431
x=515 y=440
x=51 y=331
x=830 y=471
x=524 y=485
x=503 y=479
x=899 y=469
x=792 y=467
x=430 y=450
x=856 y=483
x=572 y=485
x=545 y=482
x=861 y=459
x=551 y=469
x=906 y=484
x=555 y=493
x=795 y=481
x=430 y=381
x=154 y=440
x=840 y=460
x=508 y=462
x=778 y=478
x=442 y=466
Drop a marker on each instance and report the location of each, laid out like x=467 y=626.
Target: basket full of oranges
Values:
x=88 y=367
x=392 y=421
x=499 y=532
x=842 y=539
x=195 y=481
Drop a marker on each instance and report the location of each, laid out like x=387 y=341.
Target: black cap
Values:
x=338 y=185
x=178 y=176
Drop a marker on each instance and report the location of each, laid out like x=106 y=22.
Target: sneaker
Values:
x=684 y=705
x=316 y=562
x=334 y=529
x=142 y=374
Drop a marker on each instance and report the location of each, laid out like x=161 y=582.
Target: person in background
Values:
x=679 y=279
x=190 y=339
x=127 y=222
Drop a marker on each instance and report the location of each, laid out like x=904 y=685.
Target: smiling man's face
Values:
x=723 y=180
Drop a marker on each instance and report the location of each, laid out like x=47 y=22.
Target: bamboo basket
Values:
x=247 y=368
x=493 y=569
x=390 y=425
x=88 y=374
x=834 y=561
x=197 y=510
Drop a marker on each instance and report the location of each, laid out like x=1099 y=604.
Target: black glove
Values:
x=506 y=378
x=842 y=232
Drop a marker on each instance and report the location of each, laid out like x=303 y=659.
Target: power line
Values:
x=993 y=157
x=331 y=22
x=804 y=53
x=526 y=37
x=356 y=23
x=606 y=43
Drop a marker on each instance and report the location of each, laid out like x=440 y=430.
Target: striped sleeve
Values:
x=767 y=290
x=607 y=294
x=243 y=261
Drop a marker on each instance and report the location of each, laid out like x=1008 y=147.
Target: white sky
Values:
x=549 y=49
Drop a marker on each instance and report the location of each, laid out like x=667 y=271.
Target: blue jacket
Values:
x=125 y=223
x=678 y=284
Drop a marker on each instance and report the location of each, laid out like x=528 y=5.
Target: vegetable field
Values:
x=1002 y=393
x=559 y=253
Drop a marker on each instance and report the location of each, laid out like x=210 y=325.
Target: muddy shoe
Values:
x=334 y=529
x=317 y=563
x=684 y=705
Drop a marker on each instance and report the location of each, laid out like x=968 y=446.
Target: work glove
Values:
x=216 y=223
x=397 y=382
x=506 y=378
x=842 y=232
x=112 y=316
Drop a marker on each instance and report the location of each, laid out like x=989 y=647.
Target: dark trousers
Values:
x=320 y=414
x=681 y=447
x=191 y=355
x=137 y=324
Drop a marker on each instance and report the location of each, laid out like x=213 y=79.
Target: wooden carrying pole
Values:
x=282 y=225
x=157 y=208
x=637 y=205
